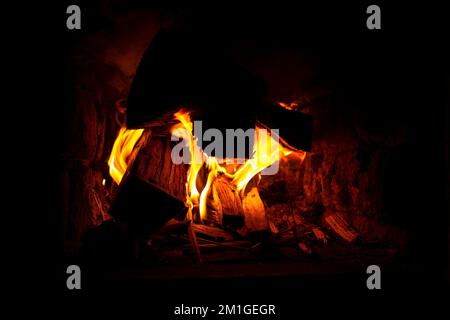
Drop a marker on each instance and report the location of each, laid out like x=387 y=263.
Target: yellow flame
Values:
x=184 y=130
x=214 y=169
x=121 y=151
x=268 y=149
x=289 y=106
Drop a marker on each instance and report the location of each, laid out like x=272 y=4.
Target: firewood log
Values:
x=144 y=206
x=294 y=127
x=154 y=165
x=254 y=212
x=212 y=232
x=152 y=191
x=230 y=203
x=338 y=224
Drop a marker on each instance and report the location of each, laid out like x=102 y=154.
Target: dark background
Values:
x=394 y=76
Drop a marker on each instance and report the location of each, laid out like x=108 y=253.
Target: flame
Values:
x=214 y=170
x=289 y=106
x=267 y=151
x=184 y=130
x=268 y=148
x=121 y=151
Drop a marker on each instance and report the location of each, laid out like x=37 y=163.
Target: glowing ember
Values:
x=123 y=146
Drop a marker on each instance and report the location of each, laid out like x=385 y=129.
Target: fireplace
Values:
x=203 y=169
x=231 y=155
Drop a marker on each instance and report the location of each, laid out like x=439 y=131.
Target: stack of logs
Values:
x=152 y=191
x=152 y=194
x=151 y=201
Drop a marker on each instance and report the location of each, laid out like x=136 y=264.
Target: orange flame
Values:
x=184 y=130
x=289 y=106
x=267 y=150
x=121 y=151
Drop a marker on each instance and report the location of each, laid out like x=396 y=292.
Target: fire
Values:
x=289 y=106
x=121 y=151
x=214 y=169
x=268 y=149
x=184 y=130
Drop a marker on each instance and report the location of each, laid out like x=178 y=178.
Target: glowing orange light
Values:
x=289 y=106
x=268 y=149
x=121 y=151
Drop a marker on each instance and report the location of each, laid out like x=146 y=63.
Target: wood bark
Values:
x=154 y=164
x=228 y=203
x=254 y=211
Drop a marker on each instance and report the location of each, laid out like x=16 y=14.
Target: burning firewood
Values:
x=154 y=164
x=213 y=194
x=338 y=224
x=254 y=211
x=230 y=203
x=144 y=206
x=152 y=190
x=295 y=127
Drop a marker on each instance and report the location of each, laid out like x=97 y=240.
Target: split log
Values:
x=254 y=212
x=201 y=76
x=214 y=208
x=206 y=78
x=144 y=206
x=212 y=232
x=152 y=190
x=154 y=165
x=230 y=208
x=337 y=222
x=295 y=127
